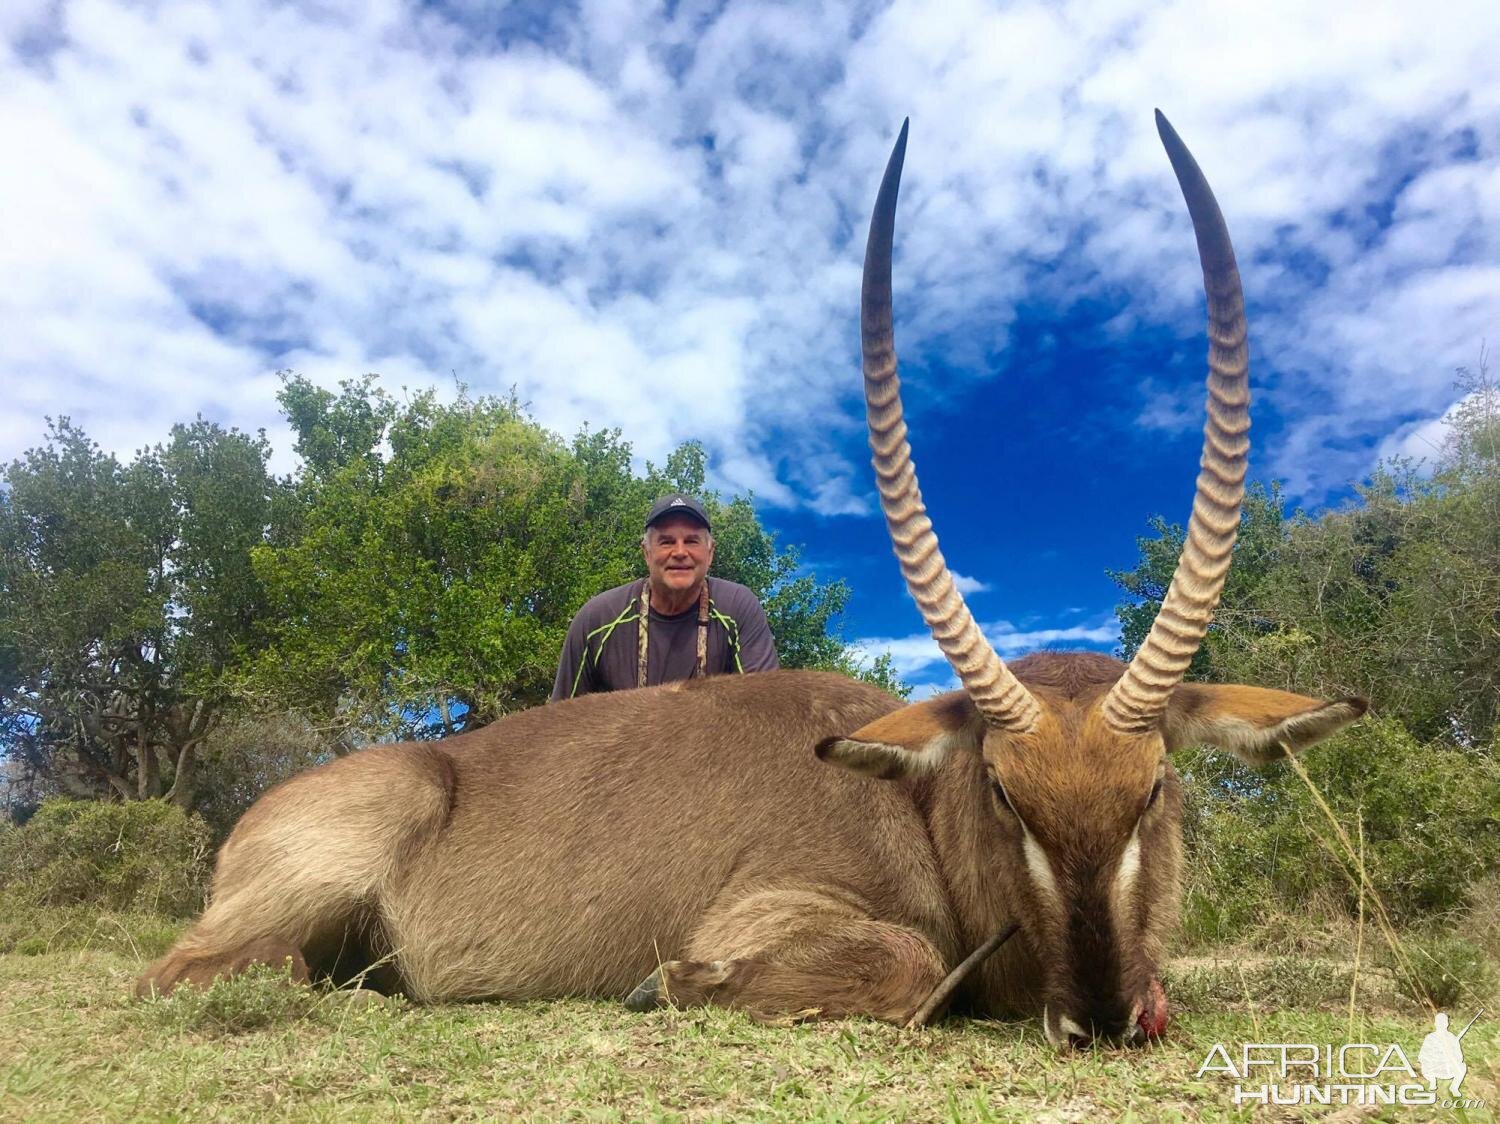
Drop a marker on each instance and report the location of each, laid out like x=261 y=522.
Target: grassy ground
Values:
x=73 y=1046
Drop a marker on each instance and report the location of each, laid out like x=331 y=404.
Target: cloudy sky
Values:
x=652 y=217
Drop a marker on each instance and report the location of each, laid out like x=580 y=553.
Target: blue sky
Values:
x=652 y=217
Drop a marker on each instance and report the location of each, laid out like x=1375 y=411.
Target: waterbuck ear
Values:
x=1256 y=724
x=908 y=742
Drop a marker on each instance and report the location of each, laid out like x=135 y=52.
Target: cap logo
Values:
x=678 y=501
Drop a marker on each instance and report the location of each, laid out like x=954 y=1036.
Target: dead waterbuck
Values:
x=691 y=843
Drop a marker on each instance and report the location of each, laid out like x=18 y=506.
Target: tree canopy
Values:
x=427 y=590
x=126 y=594
x=414 y=578
x=1396 y=596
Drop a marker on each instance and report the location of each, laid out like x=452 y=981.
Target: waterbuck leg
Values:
x=309 y=861
x=798 y=953
x=200 y=971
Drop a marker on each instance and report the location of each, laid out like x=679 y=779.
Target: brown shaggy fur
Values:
x=577 y=848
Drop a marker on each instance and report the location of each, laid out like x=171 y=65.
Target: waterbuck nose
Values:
x=1068 y=1033
x=1064 y=1031
x=1078 y=1038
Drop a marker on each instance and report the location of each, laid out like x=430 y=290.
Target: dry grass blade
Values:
x=1359 y=935
x=1360 y=879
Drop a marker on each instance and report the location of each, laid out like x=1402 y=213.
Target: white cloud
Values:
x=1011 y=642
x=655 y=221
x=1171 y=409
x=1426 y=439
x=917 y=657
x=967 y=585
x=1420 y=441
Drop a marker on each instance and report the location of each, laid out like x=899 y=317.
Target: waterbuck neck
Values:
x=954 y=803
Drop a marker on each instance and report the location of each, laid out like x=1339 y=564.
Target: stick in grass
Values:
x=944 y=991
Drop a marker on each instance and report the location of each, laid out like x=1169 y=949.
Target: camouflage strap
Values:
x=703 y=631
x=645 y=628
x=640 y=647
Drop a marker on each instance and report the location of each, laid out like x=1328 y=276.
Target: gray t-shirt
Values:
x=601 y=651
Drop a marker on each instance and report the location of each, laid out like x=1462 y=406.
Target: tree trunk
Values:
x=188 y=731
x=73 y=782
x=185 y=782
x=148 y=769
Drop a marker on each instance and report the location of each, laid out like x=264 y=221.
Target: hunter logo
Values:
x=1442 y=1053
x=1354 y=1073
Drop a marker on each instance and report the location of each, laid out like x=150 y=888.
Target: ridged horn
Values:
x=1138 y=699
x=998 y=694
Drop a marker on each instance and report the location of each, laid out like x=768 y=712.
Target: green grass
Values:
x=30 y=930
x=73 y=1045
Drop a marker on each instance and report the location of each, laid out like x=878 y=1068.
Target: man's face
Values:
x=678 y=551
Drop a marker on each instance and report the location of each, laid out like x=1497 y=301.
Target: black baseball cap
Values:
x=678 y=504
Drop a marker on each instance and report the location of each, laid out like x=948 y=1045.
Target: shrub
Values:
x=1481 y=923
x=1444 y=970
x=146 y=855
x=1280 y=982
x=243 y=758
x=1258 y=844
x=263 y=997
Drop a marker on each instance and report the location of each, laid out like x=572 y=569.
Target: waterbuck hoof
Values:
x=177 y=968
x=648 y=995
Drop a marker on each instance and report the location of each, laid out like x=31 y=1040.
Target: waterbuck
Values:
x=794 y=842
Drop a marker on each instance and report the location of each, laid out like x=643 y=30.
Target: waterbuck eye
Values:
x=998 y=790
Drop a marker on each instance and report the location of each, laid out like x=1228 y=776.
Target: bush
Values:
x=243 y=758
x=1443 y=970
x=1258 y=844
x=255 y=999
x=146 y=855
x=1481 y=923
x=1280 y=982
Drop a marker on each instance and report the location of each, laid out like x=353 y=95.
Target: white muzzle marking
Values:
x=1039 y=867
x=1130 y=867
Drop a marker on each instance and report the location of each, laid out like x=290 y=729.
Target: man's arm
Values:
x=574 y=676
x=757 y=645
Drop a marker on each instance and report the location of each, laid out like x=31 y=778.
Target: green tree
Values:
x=127 y=595
x=1257 y=551
x=427 y=591
x=1396 y=597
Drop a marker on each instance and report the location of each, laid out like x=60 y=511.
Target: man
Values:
x=677 y=624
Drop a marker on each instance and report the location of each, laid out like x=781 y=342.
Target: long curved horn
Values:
x=998 y=694
x=1139 y=698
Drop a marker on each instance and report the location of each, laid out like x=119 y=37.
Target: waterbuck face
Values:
x=1092 y=824
x=1073 y=828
